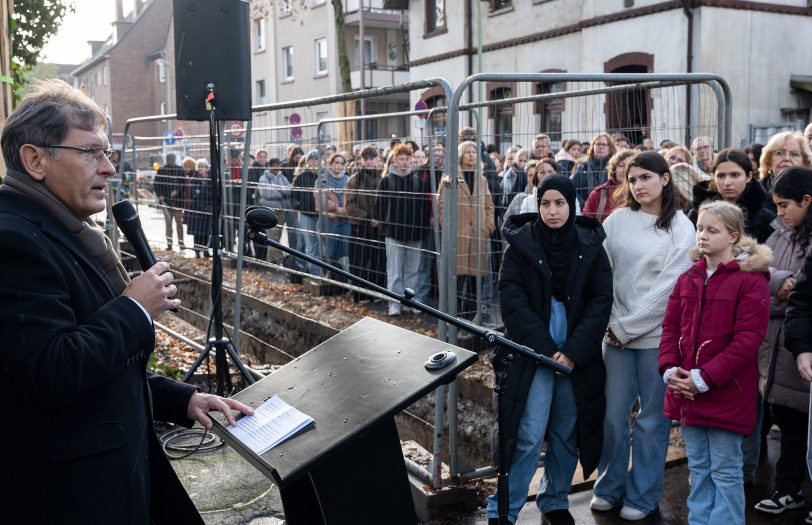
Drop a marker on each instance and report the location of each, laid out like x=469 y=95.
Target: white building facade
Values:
x=760 y=48
x=295 y=56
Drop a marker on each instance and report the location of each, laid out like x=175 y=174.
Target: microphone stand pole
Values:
x=407 y=299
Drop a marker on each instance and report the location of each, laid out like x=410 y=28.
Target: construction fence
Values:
x=435 y=231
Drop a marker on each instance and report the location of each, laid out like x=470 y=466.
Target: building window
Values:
x=325 y=130
x=163 y=110
x=438 y=119
x=261 y=96
x=503 y=119
x=98 y=78
x=551 y=110
x=320 y=56
x=107 y=110
x=105 y=75
x=370 y=51
x=287 y=63
x=259 y=35
x=435 y=15
x=367 y=128
x=161 y=71
x=496 y=5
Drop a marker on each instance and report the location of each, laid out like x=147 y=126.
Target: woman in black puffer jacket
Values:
x=555 y=286
x=733 y=180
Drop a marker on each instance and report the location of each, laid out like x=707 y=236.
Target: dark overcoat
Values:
x=525 y=293
x=798 y=319
x=199 y=206
x=78 y=440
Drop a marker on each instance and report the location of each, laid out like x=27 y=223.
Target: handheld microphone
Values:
x=260 y=218
x=130 y=225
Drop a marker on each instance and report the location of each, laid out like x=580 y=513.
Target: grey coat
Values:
x=779 y=380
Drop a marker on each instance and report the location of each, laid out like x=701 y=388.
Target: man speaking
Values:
x=77 y=440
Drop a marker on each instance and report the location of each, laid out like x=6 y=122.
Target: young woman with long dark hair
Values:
x=732 y=180
x=785 y=391
x=647 y=241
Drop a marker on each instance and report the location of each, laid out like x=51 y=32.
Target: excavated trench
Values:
x=280 y=321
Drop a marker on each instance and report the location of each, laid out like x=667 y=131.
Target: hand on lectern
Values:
x=201 y=404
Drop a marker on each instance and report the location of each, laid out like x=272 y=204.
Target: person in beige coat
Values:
x=475 y=224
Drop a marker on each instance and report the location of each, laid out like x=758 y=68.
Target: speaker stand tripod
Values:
x=222 y=345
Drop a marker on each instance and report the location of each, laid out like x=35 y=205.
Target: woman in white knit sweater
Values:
x=647 y=242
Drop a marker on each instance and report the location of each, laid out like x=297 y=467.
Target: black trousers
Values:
x=466 y=296
x=367 y=256
x=791 y=466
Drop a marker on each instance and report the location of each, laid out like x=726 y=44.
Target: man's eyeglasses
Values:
x=96 y=154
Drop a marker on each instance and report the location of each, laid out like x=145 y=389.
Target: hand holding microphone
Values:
x=153 y=289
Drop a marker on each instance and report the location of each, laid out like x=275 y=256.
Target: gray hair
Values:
x=697 y=140
x=203 y=163
x=45 y=116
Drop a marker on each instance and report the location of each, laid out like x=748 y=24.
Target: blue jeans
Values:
x=809 y=438
x=339 y=241
x=631 y=373
x=715 y=462
x=402 y=266
x=423 y=286
x=550 y=408
x=308 y=234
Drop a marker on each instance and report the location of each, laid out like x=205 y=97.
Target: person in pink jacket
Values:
x=714 y=323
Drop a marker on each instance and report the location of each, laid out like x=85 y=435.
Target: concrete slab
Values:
x=227 y=490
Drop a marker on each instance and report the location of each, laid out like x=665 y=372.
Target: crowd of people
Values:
x=662 y=276
x=682 y=291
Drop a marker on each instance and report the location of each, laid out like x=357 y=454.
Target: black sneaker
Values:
x=559 y=517
x=778 y=502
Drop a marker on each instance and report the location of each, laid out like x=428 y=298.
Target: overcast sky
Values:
x=91 y=21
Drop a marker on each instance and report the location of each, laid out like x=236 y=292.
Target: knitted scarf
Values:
x=90 y=235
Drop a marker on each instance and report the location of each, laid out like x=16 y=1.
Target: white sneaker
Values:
x=600 y=504
x=632 y=514
x=395 y=309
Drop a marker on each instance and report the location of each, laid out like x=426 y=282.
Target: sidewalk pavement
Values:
x=229 y=491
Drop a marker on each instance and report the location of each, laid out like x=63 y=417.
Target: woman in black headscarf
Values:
x=556 y=295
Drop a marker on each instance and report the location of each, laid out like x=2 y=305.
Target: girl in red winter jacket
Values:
x=715 y=321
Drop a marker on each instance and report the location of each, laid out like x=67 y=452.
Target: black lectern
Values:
x=348 y=467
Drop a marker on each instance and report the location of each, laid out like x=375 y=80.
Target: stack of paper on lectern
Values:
x=272 y=423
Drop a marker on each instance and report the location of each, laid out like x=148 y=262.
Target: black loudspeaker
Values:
x=212 y=47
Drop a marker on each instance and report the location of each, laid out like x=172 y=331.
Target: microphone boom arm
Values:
x=257 y=235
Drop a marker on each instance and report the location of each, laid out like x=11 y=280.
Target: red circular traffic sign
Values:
x=234 y=129
x=295 y=118
x=421 y=106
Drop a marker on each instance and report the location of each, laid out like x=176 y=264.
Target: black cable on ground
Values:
x=179 y=444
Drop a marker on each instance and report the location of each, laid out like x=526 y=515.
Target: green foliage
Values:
x=164 y=369
x=32 y=24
